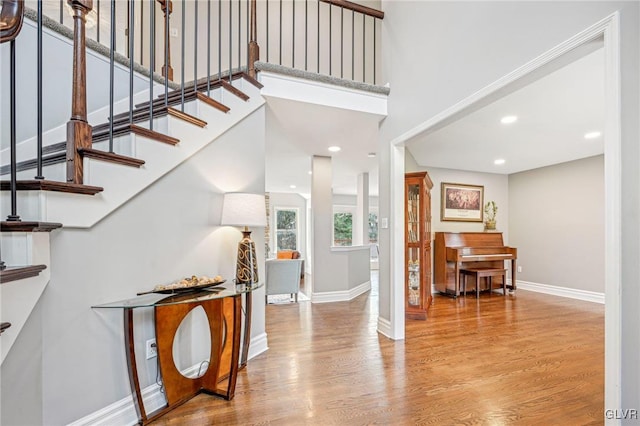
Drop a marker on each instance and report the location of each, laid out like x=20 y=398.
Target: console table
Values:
x=222 y=306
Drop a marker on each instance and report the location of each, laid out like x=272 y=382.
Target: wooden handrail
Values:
x=11 y=17
x=369 y=11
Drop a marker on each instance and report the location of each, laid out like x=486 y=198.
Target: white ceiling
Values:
x=296 y=131
x=554 y=113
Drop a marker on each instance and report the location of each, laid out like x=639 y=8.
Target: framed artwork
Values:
x=462 y=203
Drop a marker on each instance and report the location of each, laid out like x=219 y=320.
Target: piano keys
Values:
x=457 y=250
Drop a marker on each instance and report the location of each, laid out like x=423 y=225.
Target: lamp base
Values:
x=247 y=264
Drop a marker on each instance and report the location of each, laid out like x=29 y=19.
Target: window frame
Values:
x=277 y=209
x=341 y=208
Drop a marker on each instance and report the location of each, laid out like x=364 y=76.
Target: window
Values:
x=286 y=229
x=342 y=229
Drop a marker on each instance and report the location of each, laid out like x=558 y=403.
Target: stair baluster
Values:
x=11 y=16
x=182 y=47
x=152 y=58
x=131 y=33
x=195 y=46
x=14 y=196
x=39 y=174
x=209 y=48
x=112 y=50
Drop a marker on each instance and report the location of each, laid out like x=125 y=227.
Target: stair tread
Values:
x=14 y=273
x=186 y=117
x=231 y=88
x=28 y=226
x=212 y=102
x=111 y=157
x=50 y=185
x=152 y=134
x=253 y=81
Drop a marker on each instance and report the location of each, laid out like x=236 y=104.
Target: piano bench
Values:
x=478 y=273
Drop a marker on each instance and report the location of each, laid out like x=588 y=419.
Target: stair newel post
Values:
x=254 y=49
x=78 y=129
x=167 y=9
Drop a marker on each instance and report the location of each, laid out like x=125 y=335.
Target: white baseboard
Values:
x=340 y=296
x=384 y=327
x=123 y=412
x=571 y=293
x=258 y=345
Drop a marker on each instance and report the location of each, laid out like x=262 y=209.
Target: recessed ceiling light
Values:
x=592 y=135
x=371 y=155
x=334 y=148
x=292 y=186
x=508 y=119
x=310 y=172
x=499 y=161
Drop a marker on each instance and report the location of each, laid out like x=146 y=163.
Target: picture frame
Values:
x=461 y=202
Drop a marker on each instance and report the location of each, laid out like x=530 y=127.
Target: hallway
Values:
x=524 y=359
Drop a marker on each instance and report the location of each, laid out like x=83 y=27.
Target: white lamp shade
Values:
x=242 y=209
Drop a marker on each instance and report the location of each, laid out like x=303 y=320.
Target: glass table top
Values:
x=158 y=299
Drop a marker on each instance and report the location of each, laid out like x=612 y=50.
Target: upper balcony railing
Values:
x=200 y=38
x=194 y=43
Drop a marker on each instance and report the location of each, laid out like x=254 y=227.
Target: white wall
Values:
x=170 y=230
x=557 y=223
x=438 y=53
x=496 y=188
x=283 y=200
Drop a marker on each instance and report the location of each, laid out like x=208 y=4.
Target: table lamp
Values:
x=242 y=209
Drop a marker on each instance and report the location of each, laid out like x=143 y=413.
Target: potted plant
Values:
x=490 y=212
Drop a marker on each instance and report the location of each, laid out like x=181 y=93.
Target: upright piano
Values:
x=457 y=250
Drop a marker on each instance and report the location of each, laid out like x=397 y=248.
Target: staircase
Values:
x=128 y=153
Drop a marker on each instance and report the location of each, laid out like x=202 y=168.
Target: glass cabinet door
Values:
x=413 y=213
x=413 y=264
x=417 y=245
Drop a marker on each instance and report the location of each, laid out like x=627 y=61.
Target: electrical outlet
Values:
x=152 y=349
x=519 y=268
x=173 y=32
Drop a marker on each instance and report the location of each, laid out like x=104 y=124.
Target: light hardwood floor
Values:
x=526 y=359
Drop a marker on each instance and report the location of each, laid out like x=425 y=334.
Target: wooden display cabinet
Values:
x=417 y=252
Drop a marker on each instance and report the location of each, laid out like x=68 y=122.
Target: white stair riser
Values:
x=29 y=205
x=55 y=172
x=17 y=248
